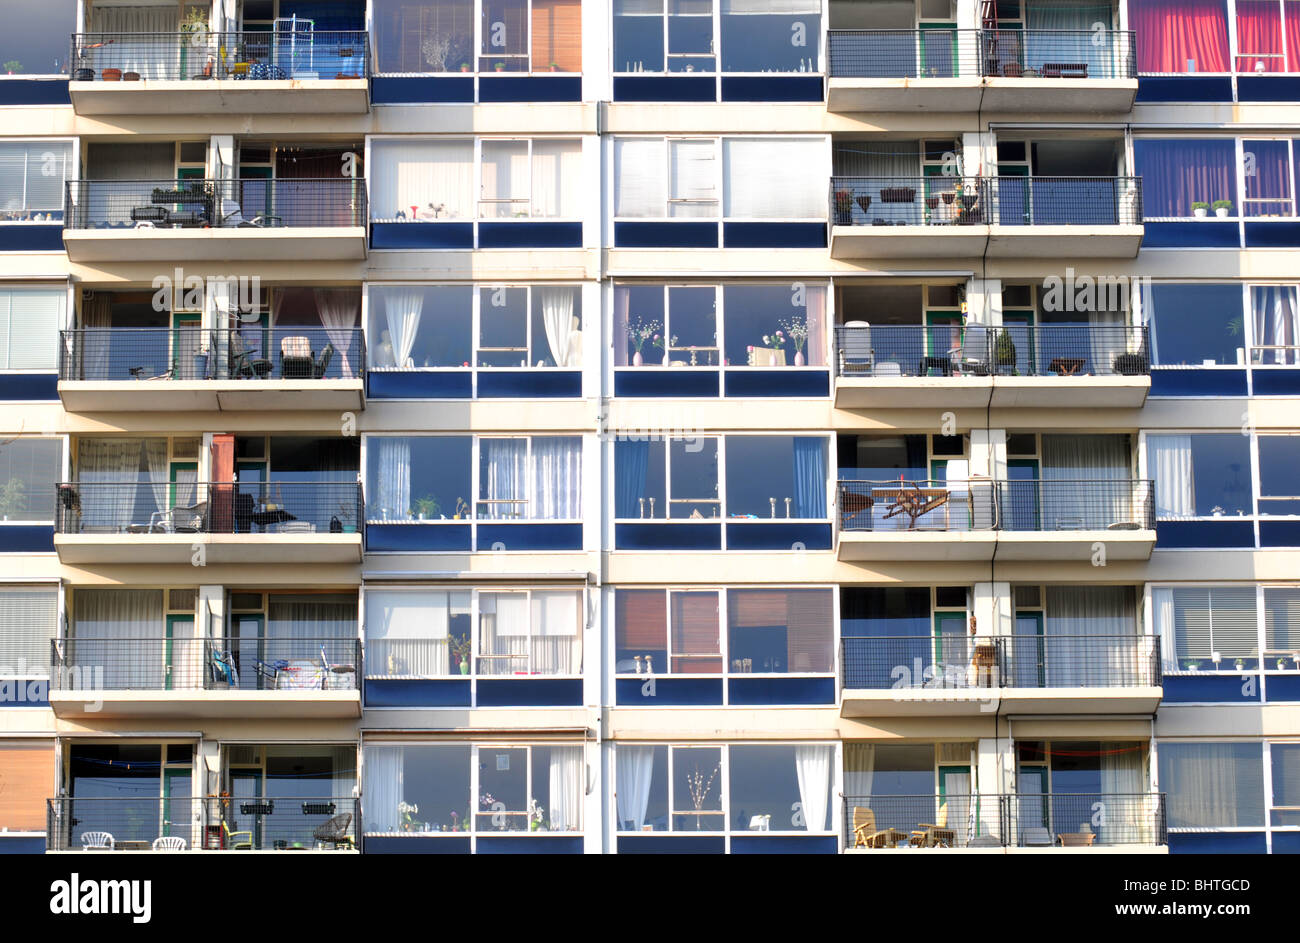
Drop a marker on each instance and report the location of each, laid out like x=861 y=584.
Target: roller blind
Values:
x=805 y=614
x=639 y=178
x=695 y=632
x=32 y=175
x=641 y=619
x=1216 y=619
x=26 y=780
x=692 y=169
x=28 y=619
x=556 y=613
x=770 y=6
x=557 y=35
x=759 y=183
x=394 y=614
x=30 y=319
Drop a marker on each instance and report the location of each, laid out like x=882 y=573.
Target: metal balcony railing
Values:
x=903 y=53
x=161 y=663
x=951 y=661
x=214 y=824
x=215 y=204
x=1064 y=201
x=177 y=507
x=982 y=504
x=995 y=821
x=201 y=54
x=195 y=353
x=1058 y=54
x=907 y=201
x=867 y=350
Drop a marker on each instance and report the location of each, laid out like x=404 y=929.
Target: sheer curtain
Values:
x=1162 y=611
x=143 y=54
x=815 y=317
x=557 y=635
x=435 y=177
x=503 y=633
x=634 y=770
x=1276 y=322
x=812 y=768
x=958 y=795
x=505 y=179
x=300 y=624
x=406 y=633
x=1074 y=41
x=1126 y=817
x=157 y=467
x=1086 y=481
x=557 y=168
x=557 y=316
x=566 y=788
x=392 y=490
x=556 y=479
x=97 y=317
x=502 y=479
x=122 y=630
x=339 y=309
x=640 y=174
x=859 y=771
x=402 y=310
x=384 y=788
x=1169 y=458
x=1090 y=636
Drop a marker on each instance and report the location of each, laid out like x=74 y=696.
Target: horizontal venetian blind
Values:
x=640 y=178
x=1217 y=619
x=806 y=615
x=641 y=619
x=695 y=632
x=28 y=618
x=26 y=780
x=30 y=319
x=758 y=182
x=1282 y=619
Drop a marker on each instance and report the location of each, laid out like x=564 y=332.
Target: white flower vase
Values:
x=666 y=358
x=798 y=358
x=637 y=359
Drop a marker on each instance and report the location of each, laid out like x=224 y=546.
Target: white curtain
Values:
x=759 y=184
x=557 y=636
x=557 y=176
x=339 y=309
x=812 y=767
x=142 y=54
x=384 y=788
x=640 y=178
x=505 y=179
x=557 y=316
x=556 y=479
x=1276 y=316
x=957 y=795
x=1106 y=339
x=503 y=633
x=406 y=633
x=392 y=489
x=297 y=626
x=1091 y=636
x=1074 y=40
x=1212 y=785
x=1123 y=816
x=566 y=789
x=402 y=310
x=634 y=770
x=1169 y=458
x=1162 y=609
x=859 y=771
x=155 y=462
x=503 y=479
x=435 y=177
x=122 y=630
x=1086 y=482
x=692 y=177
x=877 y=159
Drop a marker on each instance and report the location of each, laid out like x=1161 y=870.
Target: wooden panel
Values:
x=26 y=781
x=557 y=35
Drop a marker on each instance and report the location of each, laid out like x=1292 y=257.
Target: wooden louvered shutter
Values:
x=26 y=780
x=557 y=35
x=695 y=640
x=641 y=621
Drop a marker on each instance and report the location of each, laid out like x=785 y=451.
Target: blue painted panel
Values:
x=1176 y=535
x=521 y=845
x=539 y=536
x=784 y=845
x=417 y=845
x=1276 y=382
x=757 y=382
x=1282 y=687
x=34 y=92
x=422 y=235
x=1268 y=88
x=667 y=692
x=1189 y=88
x=1279 y=533
x=1273 y=235
x=24 y=692
x=1286 y=843
x=24 y=387
x=772 y=88
x=666 y=235
x=31 y=238
x=648 y=381
x=770 y=535
x=1192 y=234
x=540 y=384
x=530 y=88
x=676 y=536
x=404 y=90
x=24 y=844
x=769 y=689
x=1193 y=381
x=1210 y=688
x=530 y=235
x=774 y=235
x=664 y=88
x=418 y=692
x=419 y=384
x=1217 y=843
x=27 y=538
x=417 y=537
x=671 y=845
x=530 y=692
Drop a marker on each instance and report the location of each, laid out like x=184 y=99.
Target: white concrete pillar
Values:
x=991 y=606
x=984 y=301
x=988 y=452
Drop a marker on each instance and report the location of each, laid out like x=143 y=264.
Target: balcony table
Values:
x=914 y=501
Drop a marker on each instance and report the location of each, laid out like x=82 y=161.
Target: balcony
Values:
x=1050 y=366
x=186 y=74
x=971 y=520
x=1001 y=217
x=282 y=823
x=256 y=220
x=959 y=675
x=1132 y=823
x=191 y=368
x=113 y=676
x=952 y=70
x=227 y=522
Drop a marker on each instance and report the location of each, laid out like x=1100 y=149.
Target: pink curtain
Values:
x=815 y=348
x=622 y=301
x=1259 y=36
x=1293 y=35
x=1172 y=32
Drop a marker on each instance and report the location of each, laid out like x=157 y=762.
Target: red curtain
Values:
x=1259 y=36
x=1293 y=35
x=1171 y=32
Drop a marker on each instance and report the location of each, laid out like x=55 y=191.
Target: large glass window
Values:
x=421 y=36
x=419 y=478
x=1192 y=324
x=782 y=323
x=1213 y=785
x=28 y=620
x=780 y=630
x=683 y=36
x=1200 y=475
x=1275 y=324
x=776 y=477
x=1179 y=172
x=1279 y=487
x=35 y=36
x=32 y=175
x=29 y=470
x=1205 y=620
x=1180 y=36
x=1285 y=758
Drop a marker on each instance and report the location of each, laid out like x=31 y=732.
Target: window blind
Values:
x=1282 y=619
x=639 y=178
x=758 y=183
x=805 y=614
x=692 y=175
x=641 y=619
x=432 y=176
x=695 y=633
x=25 y=783
x=29 y=469
x=30 y=319
x=32 y=175
x=1213 y=785
x=1215 y=619
x=28 y=620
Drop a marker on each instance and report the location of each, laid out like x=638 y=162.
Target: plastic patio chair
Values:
x=97 y=841
x=169 y=843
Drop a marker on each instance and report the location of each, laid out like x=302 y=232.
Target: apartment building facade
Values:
x=656 y=426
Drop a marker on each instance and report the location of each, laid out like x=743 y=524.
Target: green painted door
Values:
x=183 y=477
x=1023 y=510
x=951 y=648
x=1030 y=668
x=938 y=56
x=176 y=809
x=247 y=647
x=181 y=669
x=187 y=345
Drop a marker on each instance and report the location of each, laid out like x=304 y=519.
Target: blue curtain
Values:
x=631 y=463
x=809 y=477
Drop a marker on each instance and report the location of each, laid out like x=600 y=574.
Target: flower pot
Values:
x=843 y=217
x=1221 y=212
x=135 y=76
x=83 y=75
x=1200 y=212
x=637 y=359
x=111 y=75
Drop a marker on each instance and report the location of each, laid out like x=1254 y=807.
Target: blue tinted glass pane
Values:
x=1279 y=458
x=770 y=42
x=1221 y=474
x=638 y=43
x=1195 y=323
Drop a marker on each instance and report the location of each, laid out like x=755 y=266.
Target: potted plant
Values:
x=462 y=509
x=1240 y=664
x=1191 y=664
x=464 y=67
x=427 y=507
x=1200 y=210
x=500 y=67
x=1222 y=208
x=555 y=67
x=1130 y=364
x=843 y=207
